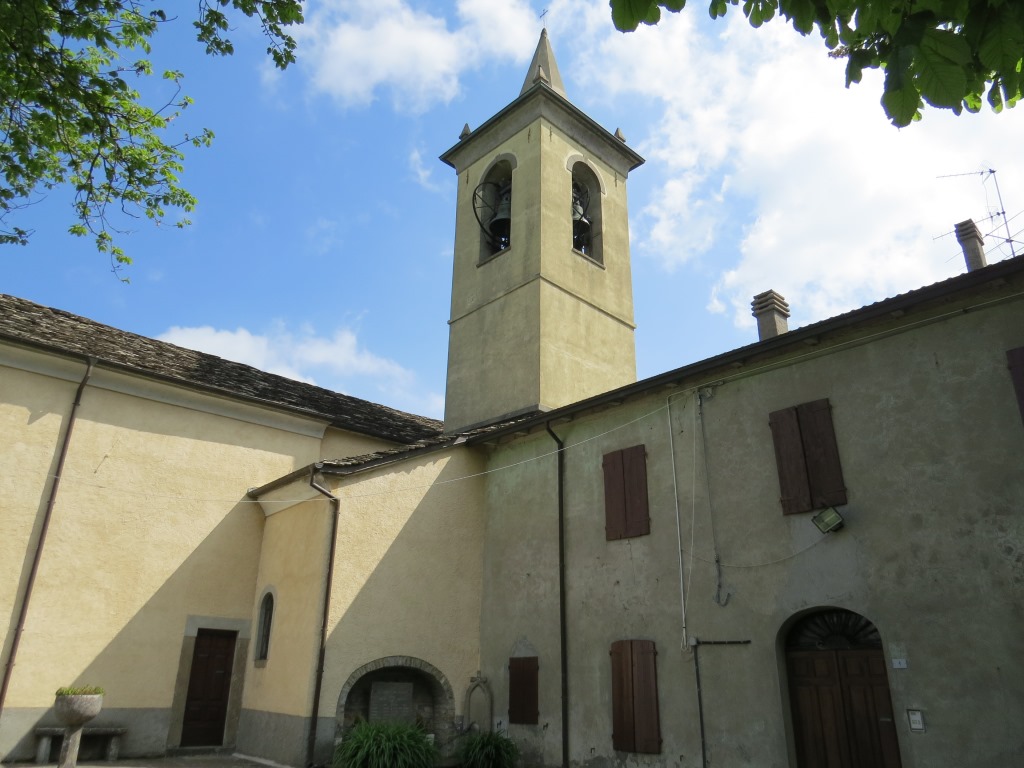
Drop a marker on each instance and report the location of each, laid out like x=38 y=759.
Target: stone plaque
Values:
x=392 y=703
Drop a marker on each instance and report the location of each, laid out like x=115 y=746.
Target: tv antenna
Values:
x=999 y=196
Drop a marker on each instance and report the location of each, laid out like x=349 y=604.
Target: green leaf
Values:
x=718 y=8
x=1002 y=42
x=628 y=14
x=939 y=68
x=900 y=98
x=73 y=116
x=800 y=12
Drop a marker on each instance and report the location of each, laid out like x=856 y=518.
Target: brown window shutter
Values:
x=1015 y=358
x=523 y=690
x=614 y=497
x=634 y=470
x=647 y=733
x=821 y=454
x=622 y=696
x=789 y=459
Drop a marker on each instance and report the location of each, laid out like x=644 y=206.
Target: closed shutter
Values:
x=794 y=487
x=626 y=511
x=1015 y=357
x=523 y=690
x=614 y=497
x=647 y=732
x=635 y=721
x=622 y=696
x=634 y=470
x=821 y=454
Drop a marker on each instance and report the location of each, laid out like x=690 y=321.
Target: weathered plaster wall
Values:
x=520 y=601
x=928 y=433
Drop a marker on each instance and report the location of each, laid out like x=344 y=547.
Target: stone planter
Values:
x=74 y=711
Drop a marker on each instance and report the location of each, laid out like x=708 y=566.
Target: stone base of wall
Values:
x=283 y=738
x=146 y=736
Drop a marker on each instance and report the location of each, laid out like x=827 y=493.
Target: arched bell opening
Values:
x=399 y=689
x=585 y=212
x=839 y=702
x=492 y=207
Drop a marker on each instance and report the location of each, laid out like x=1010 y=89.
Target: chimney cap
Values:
x=771 y=311
x=972 y=244
x=769 y=301
x=968 y=229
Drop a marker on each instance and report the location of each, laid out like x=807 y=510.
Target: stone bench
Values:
x=45 y=733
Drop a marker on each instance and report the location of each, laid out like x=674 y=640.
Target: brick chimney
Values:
x=771 y=311
x=971 y=241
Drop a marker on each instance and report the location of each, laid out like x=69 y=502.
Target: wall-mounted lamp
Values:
x=828 y=520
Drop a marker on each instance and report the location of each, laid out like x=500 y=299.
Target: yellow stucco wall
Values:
x=407 y=578
x=151 y=535
x=292 y=568
x=339 y=444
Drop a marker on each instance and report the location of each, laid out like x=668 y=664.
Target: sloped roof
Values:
x=66 y=334
x=915 y=305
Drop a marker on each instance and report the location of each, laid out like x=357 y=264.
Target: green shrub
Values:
x=383 y=745
x=79 y=690
x=488 y=750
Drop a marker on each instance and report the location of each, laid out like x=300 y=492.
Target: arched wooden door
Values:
x=839 y=693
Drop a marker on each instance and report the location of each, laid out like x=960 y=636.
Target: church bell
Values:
x=581 y=227
x=501 y=223
x=492 y=206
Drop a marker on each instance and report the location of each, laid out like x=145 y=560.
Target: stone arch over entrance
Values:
x=432 y=698
x=839 y=696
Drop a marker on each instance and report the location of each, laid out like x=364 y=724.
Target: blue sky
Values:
x=321 y=248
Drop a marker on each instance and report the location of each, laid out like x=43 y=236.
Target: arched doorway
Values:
x=409 y=689
x=839 y=693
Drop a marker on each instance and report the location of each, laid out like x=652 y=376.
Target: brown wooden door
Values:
x=209 y=683
x=842 y=711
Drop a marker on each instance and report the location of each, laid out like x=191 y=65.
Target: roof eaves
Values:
x=772 y=347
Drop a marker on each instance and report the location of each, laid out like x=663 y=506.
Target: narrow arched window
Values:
x=585 y=210
x=263 y=630
x=492 y=206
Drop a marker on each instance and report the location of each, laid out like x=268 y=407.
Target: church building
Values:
x=807 y=552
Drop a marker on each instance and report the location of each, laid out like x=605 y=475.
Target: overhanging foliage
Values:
x=952 y=54
x=71 y=114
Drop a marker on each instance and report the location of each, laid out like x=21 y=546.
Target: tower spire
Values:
x=544 y=68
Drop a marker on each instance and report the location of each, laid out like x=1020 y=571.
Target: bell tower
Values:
x=542 y=295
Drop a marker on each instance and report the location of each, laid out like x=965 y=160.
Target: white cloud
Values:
x=337 y=362
x=420 y=172
x=356 y=49
x=774 y=175
x=267 y=353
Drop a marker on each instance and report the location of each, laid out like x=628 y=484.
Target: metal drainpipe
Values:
x=315 y=713
x=37 y=556
x=562 y=624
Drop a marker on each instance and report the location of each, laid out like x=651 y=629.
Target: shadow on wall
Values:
x=157 y=556
x=415 y=617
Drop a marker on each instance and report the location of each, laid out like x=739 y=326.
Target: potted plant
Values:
x=74 y=706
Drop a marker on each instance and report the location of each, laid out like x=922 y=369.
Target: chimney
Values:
x=971 y=241
x=771 y=311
